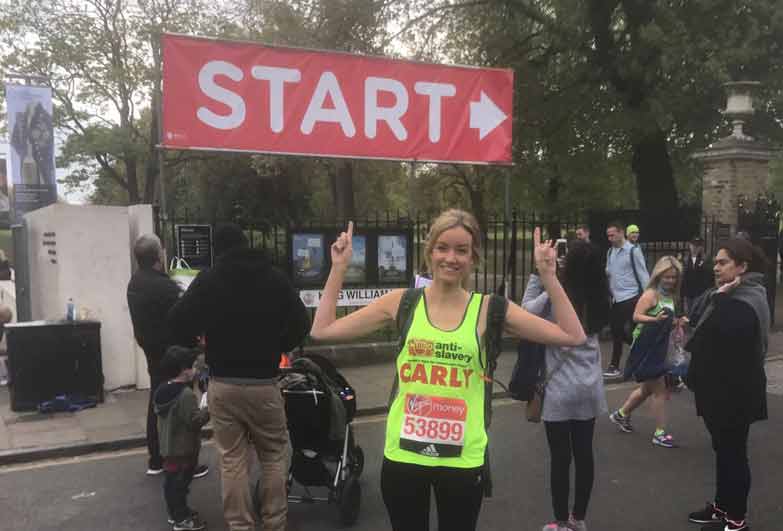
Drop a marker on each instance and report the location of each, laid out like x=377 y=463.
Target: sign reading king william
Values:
x=239 y=96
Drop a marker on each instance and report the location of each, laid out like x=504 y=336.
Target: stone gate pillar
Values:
x=735 y=165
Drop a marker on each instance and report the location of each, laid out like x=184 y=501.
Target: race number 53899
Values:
x=434 y=420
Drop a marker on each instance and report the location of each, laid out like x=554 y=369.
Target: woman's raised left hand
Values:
x=544 y=254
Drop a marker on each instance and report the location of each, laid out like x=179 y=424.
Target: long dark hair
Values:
x=586 y=285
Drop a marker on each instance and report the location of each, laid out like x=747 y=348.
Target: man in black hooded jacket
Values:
x=249 y=314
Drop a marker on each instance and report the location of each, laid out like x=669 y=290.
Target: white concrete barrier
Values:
x=83 y=253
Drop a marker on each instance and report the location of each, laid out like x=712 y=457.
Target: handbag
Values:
x=536 y=404
x=181 y=273
x=677 y=358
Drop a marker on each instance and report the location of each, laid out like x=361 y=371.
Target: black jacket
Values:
x=696 y=278
x=647 y=358
x=726 y=374
x=248 y=311
x=151 y=294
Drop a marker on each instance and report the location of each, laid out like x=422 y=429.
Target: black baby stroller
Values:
x=320 y=406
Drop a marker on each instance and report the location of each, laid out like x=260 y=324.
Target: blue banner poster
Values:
x=31 y=168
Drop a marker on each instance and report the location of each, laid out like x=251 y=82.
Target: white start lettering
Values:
x=327 y=89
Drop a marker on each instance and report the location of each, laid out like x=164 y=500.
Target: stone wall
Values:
x=725 y=179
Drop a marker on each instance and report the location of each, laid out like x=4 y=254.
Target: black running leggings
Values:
x=406 y=492
x=566 y=438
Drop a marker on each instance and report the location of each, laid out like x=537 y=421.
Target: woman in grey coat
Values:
x=575 y=391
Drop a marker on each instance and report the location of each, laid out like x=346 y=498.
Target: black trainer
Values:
x=707 y=515
x=193 y=515
x=200 y=471
x=189 y=524
x=726 y=525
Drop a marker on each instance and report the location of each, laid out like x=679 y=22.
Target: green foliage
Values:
x=612 y=98
x=598 y=82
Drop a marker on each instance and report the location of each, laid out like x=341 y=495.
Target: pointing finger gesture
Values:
x=342 y=248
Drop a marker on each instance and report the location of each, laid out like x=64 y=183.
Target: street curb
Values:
x=16 y=457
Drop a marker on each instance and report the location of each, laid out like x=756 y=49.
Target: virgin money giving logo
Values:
x=418 y=405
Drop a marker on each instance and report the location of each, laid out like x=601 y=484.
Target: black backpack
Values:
x=496 y=317
x=529 y=370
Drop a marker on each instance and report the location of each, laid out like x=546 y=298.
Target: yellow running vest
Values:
x=437 y=417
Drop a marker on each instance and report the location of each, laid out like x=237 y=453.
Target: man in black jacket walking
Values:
x=697 y=275
x=249 y=314
x=151 y=294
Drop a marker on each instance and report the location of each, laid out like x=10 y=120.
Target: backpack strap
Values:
x=635 y=274
x=408 y=302
x=633 y=267
x=496 y=318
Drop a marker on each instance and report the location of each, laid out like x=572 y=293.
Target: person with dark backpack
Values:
x=437 y=426
x=574 y=390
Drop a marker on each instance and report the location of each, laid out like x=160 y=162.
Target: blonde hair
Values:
x=661 y=267
x=448 y=220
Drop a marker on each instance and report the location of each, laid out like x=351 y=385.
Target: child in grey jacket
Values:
x=179 y=431
x=574 y=395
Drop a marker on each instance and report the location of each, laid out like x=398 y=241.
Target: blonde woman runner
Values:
x=435 y=434
x=656 y=304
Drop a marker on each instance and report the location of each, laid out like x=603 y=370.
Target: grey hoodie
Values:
x=576 y=389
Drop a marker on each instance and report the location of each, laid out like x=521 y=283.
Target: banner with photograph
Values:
x=392 y=258
x=31 y=130
x=5 y=201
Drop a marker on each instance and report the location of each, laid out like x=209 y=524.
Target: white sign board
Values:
x=347 y=297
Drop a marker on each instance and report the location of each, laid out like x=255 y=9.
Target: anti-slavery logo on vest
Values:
x=424 y=348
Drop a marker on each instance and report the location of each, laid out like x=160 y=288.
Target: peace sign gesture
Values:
x=342 y=248
x=544 y=254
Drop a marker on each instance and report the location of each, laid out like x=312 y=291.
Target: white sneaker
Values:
x=576 y=525
x=555 y=526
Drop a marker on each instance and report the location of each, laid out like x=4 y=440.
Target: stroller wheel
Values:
x=349 y=501
x=358 y=460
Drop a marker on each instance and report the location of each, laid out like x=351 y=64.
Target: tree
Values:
x=636 y=82
x=97 y=56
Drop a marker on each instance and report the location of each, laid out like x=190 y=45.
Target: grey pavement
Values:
x=637 y=486
x=120 y=421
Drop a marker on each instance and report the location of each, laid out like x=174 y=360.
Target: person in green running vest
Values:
x=657 y=303
x=435 y=433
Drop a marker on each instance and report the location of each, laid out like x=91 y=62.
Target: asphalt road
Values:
x=638 y=486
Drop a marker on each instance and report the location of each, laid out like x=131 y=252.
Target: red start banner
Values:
x=240 y=96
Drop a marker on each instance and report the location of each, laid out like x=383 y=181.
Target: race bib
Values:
x=433 y=426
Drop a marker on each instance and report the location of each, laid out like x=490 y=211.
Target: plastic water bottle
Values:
x=70 y=311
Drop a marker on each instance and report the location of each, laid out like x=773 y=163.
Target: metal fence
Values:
x=506 y=253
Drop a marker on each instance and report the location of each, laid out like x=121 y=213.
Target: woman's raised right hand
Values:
x=342 y=248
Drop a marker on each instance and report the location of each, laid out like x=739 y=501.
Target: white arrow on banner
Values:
x=485 y=115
